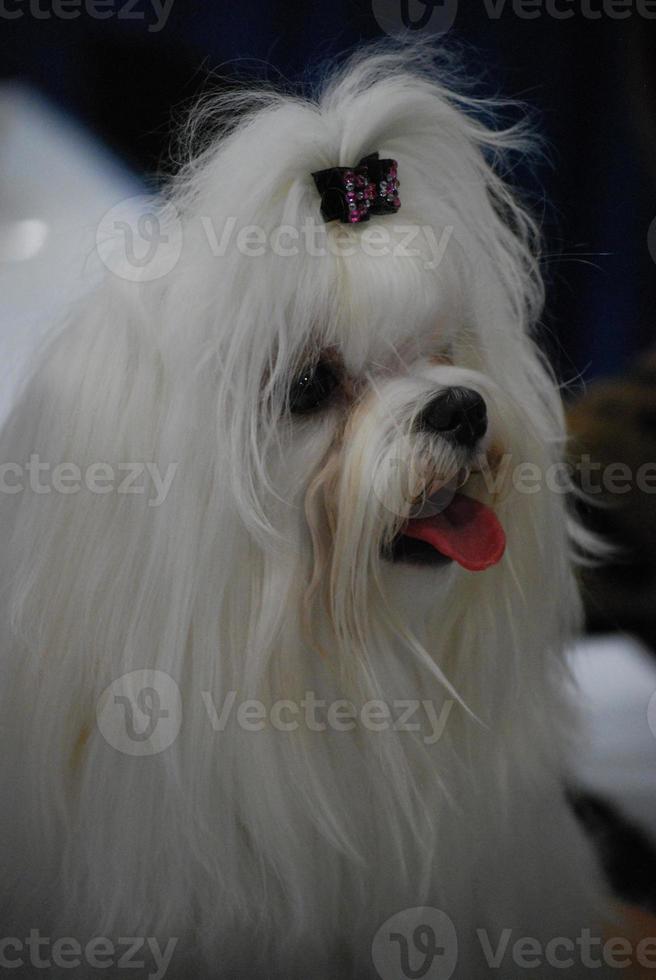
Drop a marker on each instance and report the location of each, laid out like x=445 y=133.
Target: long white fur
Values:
x=268 y=853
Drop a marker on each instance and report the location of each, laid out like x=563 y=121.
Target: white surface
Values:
x=55 y=185
x=616 y=676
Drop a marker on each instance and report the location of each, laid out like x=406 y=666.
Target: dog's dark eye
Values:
x=312 y=388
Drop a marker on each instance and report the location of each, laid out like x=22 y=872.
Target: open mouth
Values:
x=466 y=531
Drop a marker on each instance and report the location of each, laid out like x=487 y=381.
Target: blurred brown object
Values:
x=638 y=927
x=613 y=450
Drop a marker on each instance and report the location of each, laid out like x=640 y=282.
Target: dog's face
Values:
x=394 y=450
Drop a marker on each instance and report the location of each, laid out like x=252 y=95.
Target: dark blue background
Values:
x=592 y=83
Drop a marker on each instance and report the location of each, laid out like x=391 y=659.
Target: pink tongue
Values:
x=466 y=531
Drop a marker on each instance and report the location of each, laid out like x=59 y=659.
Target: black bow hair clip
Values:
x=353 y=194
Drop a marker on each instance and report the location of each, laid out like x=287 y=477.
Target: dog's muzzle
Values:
x=457 y=414
x=452 y=526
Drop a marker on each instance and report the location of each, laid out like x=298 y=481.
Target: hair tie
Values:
x=352 y=194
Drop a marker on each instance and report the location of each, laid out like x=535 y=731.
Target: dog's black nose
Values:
x=458 y=414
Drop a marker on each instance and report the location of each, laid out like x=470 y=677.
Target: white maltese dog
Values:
x=289 y=700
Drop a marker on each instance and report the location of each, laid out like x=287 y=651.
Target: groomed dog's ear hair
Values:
x=93 y=402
